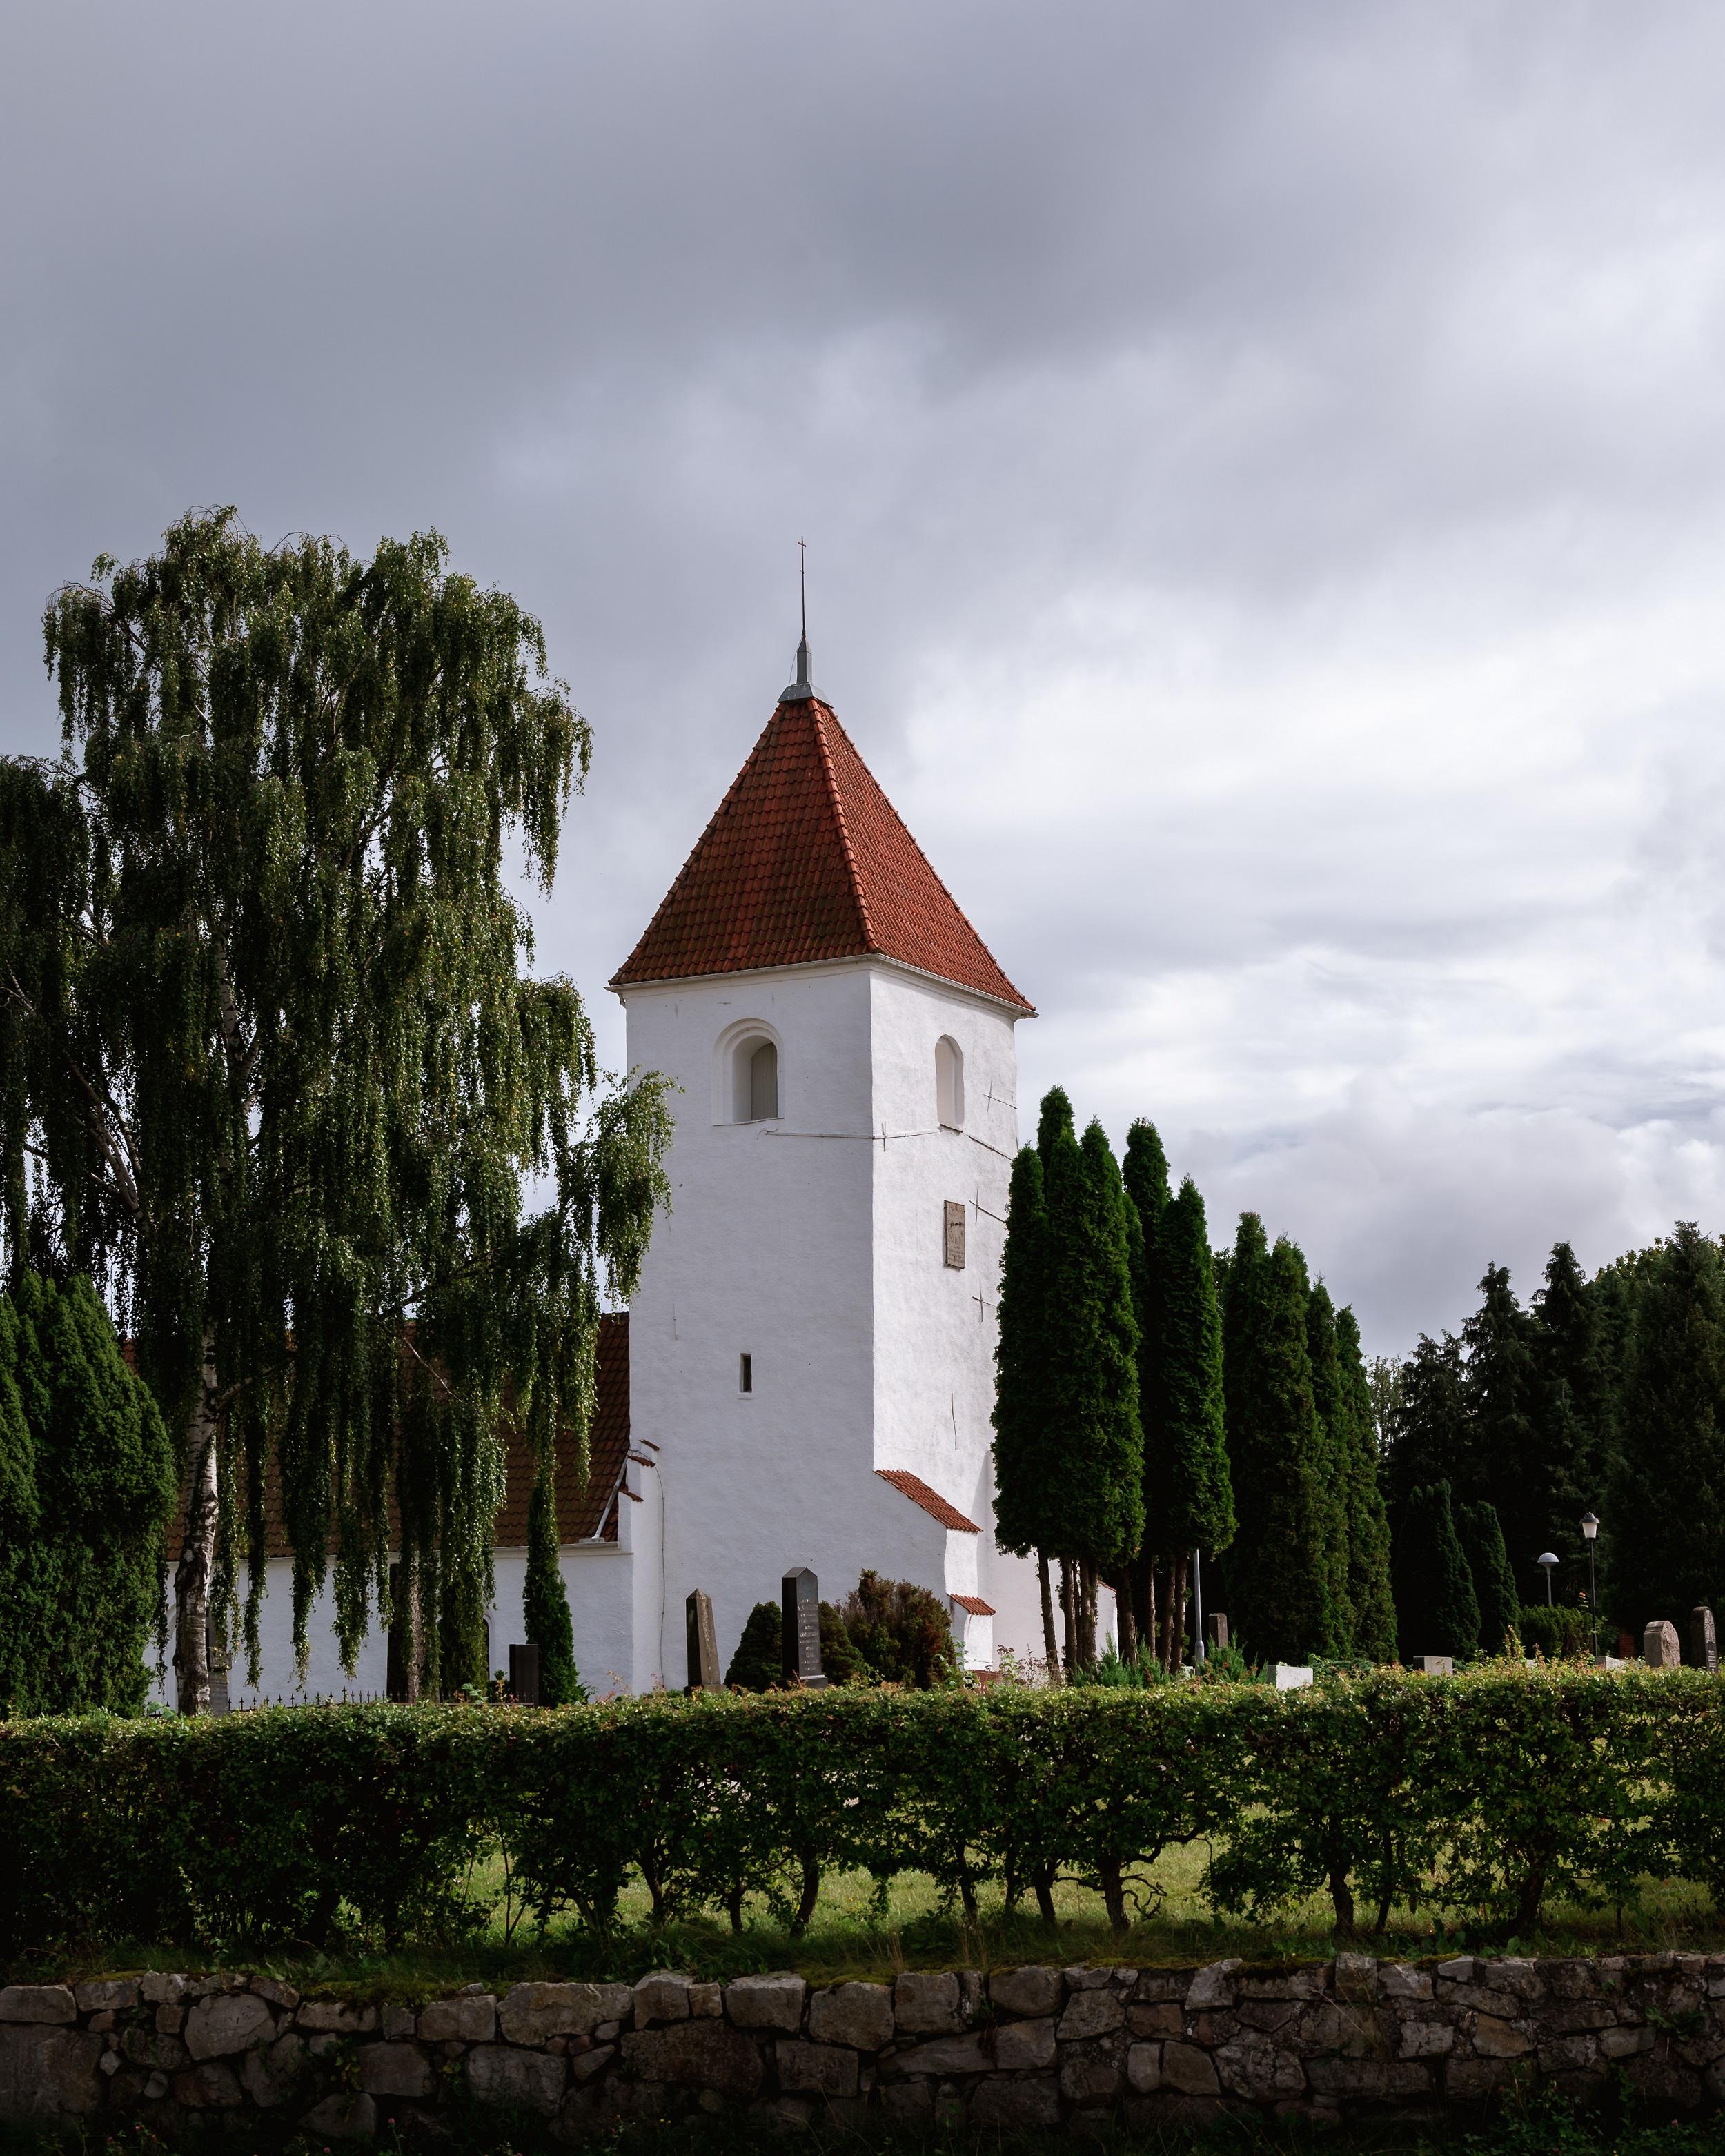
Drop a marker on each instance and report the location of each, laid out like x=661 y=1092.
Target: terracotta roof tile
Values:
x=975 y=1604
x=580 y=1508
x=932 y=1502
x=806 y=859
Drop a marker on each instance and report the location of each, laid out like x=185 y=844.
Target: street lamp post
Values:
x=1590 y=1530
x=1549 y=1559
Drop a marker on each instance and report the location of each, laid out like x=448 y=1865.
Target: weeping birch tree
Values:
x=273 y=1069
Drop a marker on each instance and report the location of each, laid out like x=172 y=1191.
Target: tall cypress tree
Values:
x=1023 y=1447
x=1428 y=1439
x=1144 y=1172
x=1494 y=1581
x=1573 y=1439
x=1369 y=1593
x=1670 y=1504
x=1276 y=1580
x=1436 y=1608
x=1335 y=1465
x=545 y=1602
x=1499 y=1395
x=1188 y=1486
x=86 y=1484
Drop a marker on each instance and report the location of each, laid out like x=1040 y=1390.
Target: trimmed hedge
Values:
x=1480 y=1794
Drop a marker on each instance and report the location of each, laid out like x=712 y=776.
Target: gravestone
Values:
x=703 y=1644
x=1291 y=1677
x=1659 y=1646
x=799 y=1613
x=1703 y=1638
x=1436 y=1666
x=524 y=1675
x=1215 y=1627
x=216 y=1652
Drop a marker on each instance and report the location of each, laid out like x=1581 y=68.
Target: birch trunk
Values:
x=194 y=1576
x=1069 y=1612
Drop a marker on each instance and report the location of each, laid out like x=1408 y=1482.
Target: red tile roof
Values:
x=975 y=1604
x=582 y=1508
x=932 y=1502
x=806 y=859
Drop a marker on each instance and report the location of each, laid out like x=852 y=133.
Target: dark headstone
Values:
x=524 y=1675
x=1215 y=1627
x=799 y=1608
x=1703 y=1638
x=703 y=1644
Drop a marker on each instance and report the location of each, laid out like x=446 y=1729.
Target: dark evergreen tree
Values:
x=1668 y=1547
x=1427 y=1439
x=1494 y=1581
x=1277 y=1579
x=1023 y=1449
x=1500 y=1465
x=1437 y=1612
x=86 y=1486
x=1334 y=1475
x=1144 y=1172
x=758 y=1664
x=1573 y=1411
x=1369 y=1593
x=1189 y=1484
x=545 y=1602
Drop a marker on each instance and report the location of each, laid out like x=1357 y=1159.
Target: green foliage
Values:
x=1334 y=1474
x=841 y=1660
x=1278 y=1581
x=545 y=1601
x=902 y=1632
x=1437 y=1611
x=1485 y=1795
x=86 y=1486
x=1189 y=1495
x=1022 y=1451
x=1370 y=1595
x=1489 y=1566
x=1559 y=1633
x=758 y=1664
x=267 y=1032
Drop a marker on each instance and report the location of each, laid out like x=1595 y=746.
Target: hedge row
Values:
x=1481 y=1794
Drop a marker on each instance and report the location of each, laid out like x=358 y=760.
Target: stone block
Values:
x=804 y=2069
x=1565 y=2054
x=218 y=2028
x=272 y=2075
x=466 y=2019
x=278 y=1995
x=945 y=2055
x=347 y=2116
x=1400 y=1980
x=106 y=1995
x=48 y=2071
x=1467 y=2080
x=1291 y=1677
x=1212 y=1986
x=171 y=2020
x=522 y=2081
x=1659 y=1646
x=1010 y=2105
x=1494 y=2038
x=581 y=2069
x=1090 y=2013
x=706 y=2055
x=211 y=2086
x=1461 y=1968
x=661 y=1996
x=1188 y=2070
x=48 y=2003
x=1082 y=1977
x=150 y=2048
x=1089 y=2077
x=925 y=2003
x=394 y=2070
x=342 y=2017
x=1024 y=2046
x=1374 y=2079
x=1029 y=1991
x=1260 y=2071
x=1512 y=1973
x=909 y=2103
x=858 y=2014
x=1143 y=2068
x=1356 y=1976
x=1624 y=2043
x=1426 y=2040
x=1346 y=2032
x=396 y=2023
x=1165 y=2019
x=531 y=2012
x=707 y=2001
x=771 y=2002
x=162 y=1988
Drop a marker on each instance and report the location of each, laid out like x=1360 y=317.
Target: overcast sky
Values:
x=1262 y=468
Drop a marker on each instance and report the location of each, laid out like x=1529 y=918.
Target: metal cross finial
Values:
x=802 y=579
x=802 y=689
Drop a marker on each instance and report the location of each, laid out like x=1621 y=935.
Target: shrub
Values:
x=902 y=1632
x=758 y=1664
x=1561 y=1635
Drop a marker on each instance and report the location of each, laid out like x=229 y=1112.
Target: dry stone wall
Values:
x=1014 y=2048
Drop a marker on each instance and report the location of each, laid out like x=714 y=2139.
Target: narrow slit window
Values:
x=949 y=1082
x=745 y=1373
x=763 y=1083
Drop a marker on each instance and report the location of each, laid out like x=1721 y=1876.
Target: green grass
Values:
x=853 y=1937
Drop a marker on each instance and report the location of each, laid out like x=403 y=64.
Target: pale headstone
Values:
x=524 y=1675
x=1659 y=1646
x=1703 y=1638
x=1215 y=1627
x=1291 y=1677
x=214 y=1647
x=703 y=1643
x=1436 y=1666
x=799 y=1615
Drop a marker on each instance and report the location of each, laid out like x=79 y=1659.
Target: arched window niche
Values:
x=752 y=1058
x=949 y=1083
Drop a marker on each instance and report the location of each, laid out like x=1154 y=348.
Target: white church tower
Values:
x=811 y=1350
